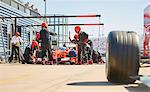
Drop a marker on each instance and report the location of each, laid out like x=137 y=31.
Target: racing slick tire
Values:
x=122 y=56
x=48 y=62
x=72 y=63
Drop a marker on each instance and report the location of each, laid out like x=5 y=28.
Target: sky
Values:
x=124 y=15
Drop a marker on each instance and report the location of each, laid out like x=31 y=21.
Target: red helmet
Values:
x=44 y=24
x=17 y=33
x=77 y=29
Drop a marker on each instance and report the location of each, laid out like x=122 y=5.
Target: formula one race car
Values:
x=65 y=55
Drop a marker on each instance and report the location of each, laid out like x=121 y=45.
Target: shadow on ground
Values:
x=102 y=83
x=136 y=87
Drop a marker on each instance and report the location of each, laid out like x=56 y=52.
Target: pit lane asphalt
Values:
x=62 y=78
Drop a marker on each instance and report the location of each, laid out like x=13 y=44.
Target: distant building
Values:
x=10 y=8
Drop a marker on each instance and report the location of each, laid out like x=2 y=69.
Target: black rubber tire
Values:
x=72 y=63
x=47 y=63
x=122 y=56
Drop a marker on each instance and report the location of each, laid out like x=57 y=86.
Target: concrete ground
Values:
x=62 y=78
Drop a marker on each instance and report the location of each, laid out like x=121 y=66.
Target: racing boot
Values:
x=50 y=62
x=90 y=61
x=79 y=62
x=102 y=61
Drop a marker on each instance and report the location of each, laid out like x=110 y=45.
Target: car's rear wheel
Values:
x=122 y=56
